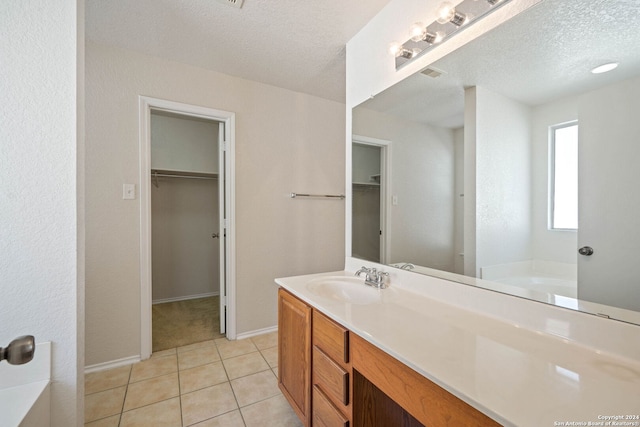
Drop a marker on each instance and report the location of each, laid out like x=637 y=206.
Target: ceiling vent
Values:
x=432 y=72
x=235 y=3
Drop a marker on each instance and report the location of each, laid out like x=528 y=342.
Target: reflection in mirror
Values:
x=479 y=173
x=370 y=180
x=366 y=201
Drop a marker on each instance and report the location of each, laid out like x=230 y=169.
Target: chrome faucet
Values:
x=375 y=278
x=407 y=266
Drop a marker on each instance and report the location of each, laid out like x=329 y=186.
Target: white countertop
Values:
x=515 y=375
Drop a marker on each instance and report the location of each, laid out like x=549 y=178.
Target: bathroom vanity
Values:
x=352 y=382
x=352 y=355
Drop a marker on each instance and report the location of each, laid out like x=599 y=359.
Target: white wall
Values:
x=503 y=180
x=422 y=223
x=183 y=143
x=184 y=214
x=285 y=142
x=549 y=245
x=366 y=162
x=458 y=194
x=469 y=181
x=41 y=224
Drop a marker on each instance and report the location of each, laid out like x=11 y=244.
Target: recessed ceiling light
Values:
x=605 y=67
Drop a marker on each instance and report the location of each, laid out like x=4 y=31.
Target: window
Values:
x=563 y=197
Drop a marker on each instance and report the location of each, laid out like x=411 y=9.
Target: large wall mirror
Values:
x=510 y=164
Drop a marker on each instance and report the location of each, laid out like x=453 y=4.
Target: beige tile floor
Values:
x=213 y=383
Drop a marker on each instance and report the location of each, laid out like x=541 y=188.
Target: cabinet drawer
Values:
x=324 y=414
x=330 y=337
x=330 y=376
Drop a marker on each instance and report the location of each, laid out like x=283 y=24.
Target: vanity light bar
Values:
x=450 y=20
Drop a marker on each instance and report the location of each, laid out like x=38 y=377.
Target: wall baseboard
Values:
x=257 y=332
x=111 y=364
x=184 y=298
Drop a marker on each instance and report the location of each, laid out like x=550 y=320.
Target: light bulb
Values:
x=395 y=48
x=445 y=12
x=417 y=32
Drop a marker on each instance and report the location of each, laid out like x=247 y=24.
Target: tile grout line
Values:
x=179 y=388
x=126 y=390
x=180 y=391
x=230 y=385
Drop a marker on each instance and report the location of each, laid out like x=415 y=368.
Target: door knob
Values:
x=19 y=351
x=586 y=251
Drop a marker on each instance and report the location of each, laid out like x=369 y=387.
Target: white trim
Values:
x=257 y=332
x=222 y=232
x=146 y=104
x=112 y=364
x=184 y=298
x=230 y=215
x=385 y=192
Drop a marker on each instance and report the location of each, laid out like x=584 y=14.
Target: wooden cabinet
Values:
x=294 y=353
x=332 y=377
x=331 y=373
x=425 y=401
x=324 y=413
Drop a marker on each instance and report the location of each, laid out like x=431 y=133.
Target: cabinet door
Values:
x=294 y=353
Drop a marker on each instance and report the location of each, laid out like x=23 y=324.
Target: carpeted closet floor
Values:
x=175 y=324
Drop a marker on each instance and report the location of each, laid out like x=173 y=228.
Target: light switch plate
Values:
x=128 y=191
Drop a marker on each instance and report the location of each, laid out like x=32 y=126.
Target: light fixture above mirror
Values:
x=450 y=20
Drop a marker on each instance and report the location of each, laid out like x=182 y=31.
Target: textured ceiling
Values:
x=543 y=54
x=297 y=45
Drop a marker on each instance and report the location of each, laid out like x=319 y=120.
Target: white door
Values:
x=223 y=227
x=609 y=196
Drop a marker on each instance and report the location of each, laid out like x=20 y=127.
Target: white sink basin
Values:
x=344 y=289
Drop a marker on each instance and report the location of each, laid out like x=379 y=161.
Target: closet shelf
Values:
x=163 y=173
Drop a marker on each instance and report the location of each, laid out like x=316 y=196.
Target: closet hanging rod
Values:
x=167 y=175
x=157 y=173
x=329 y=196
x=183 y=174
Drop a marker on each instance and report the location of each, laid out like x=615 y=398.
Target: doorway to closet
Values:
x=185 y=271
x=187 y=237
